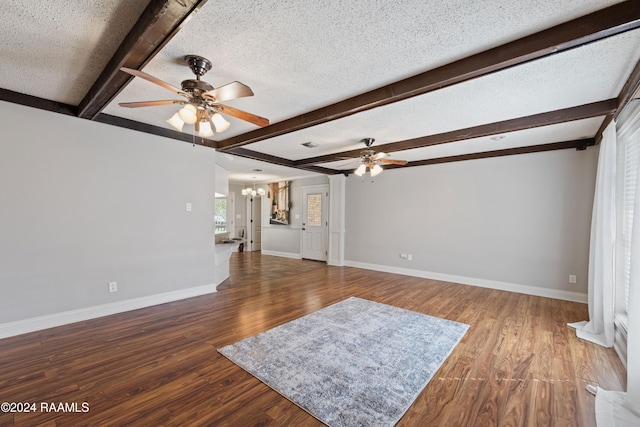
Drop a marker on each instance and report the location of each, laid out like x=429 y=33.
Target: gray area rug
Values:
x=354 y=363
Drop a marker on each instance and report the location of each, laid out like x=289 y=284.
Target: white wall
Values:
x=240 y=208
x=84 y=204
x=522 y=220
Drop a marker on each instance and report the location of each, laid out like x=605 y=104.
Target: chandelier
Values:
x=252 y=191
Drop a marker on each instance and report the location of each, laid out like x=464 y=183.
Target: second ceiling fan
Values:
x=202 y=104
x=370 y=160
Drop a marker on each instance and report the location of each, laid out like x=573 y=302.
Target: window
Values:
x=314 y=210
x=221 y=215
x=628 y=161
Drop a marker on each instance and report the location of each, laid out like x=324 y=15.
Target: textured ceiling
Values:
x=56 y=49
x=299 y=56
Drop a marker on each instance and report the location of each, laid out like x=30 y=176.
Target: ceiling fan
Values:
x=201 y=106
x=370 y=160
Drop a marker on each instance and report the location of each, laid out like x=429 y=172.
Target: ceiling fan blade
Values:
x=393 y=162
x=150 y=78
x=349 y=164
x=149 y=103
x=198 y=119
x=229 y=91
x=380 y=155
x=242 y=115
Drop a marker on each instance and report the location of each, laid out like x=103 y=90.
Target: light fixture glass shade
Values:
x=361 y=170
x=188 y=114
x=253 y=192
x=376 y=170
x=205 y=129
x=249 y=192
x=219 y=122
x=176 y=122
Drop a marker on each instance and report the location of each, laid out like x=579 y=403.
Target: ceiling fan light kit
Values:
x=361 y=170
x=370 y=160
x=205 y=129
x=202 y=106
x=188 y=114
x=220 y=123
x=176 y=122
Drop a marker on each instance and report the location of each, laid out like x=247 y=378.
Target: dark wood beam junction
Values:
x=159 y=22
x=585 y=111
x=35 y=102
x=590 y=28
x=268 y=158
x=629 y=92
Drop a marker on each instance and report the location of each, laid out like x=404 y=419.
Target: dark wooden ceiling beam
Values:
x=160 y=21
x=576 y=144
x=607 y=22
x=35 y=102
x=254 y=155
x=580 y=112
x=153 y=130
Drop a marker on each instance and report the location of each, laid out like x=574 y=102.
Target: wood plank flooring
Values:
x=518 y=365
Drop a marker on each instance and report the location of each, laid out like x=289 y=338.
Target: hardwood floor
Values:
x=518 y=365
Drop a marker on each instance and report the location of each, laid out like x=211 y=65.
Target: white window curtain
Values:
x=601 y=281
x=615 y=408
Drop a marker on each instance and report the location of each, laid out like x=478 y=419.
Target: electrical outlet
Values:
x=188 y=207
x=572 y=278
x=409 y=257
x=113 y=287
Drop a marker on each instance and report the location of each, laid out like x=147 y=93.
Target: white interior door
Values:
x=257 y=224
x=314 y=222
x=254 y=224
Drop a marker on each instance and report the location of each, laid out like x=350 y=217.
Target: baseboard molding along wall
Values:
x=58 y=319
x=281 y=254
x=483 y=283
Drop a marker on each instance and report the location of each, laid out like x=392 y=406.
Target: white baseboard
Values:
x=58 y=319
x=221 y=279
x=483 y=283
x=281 y=254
